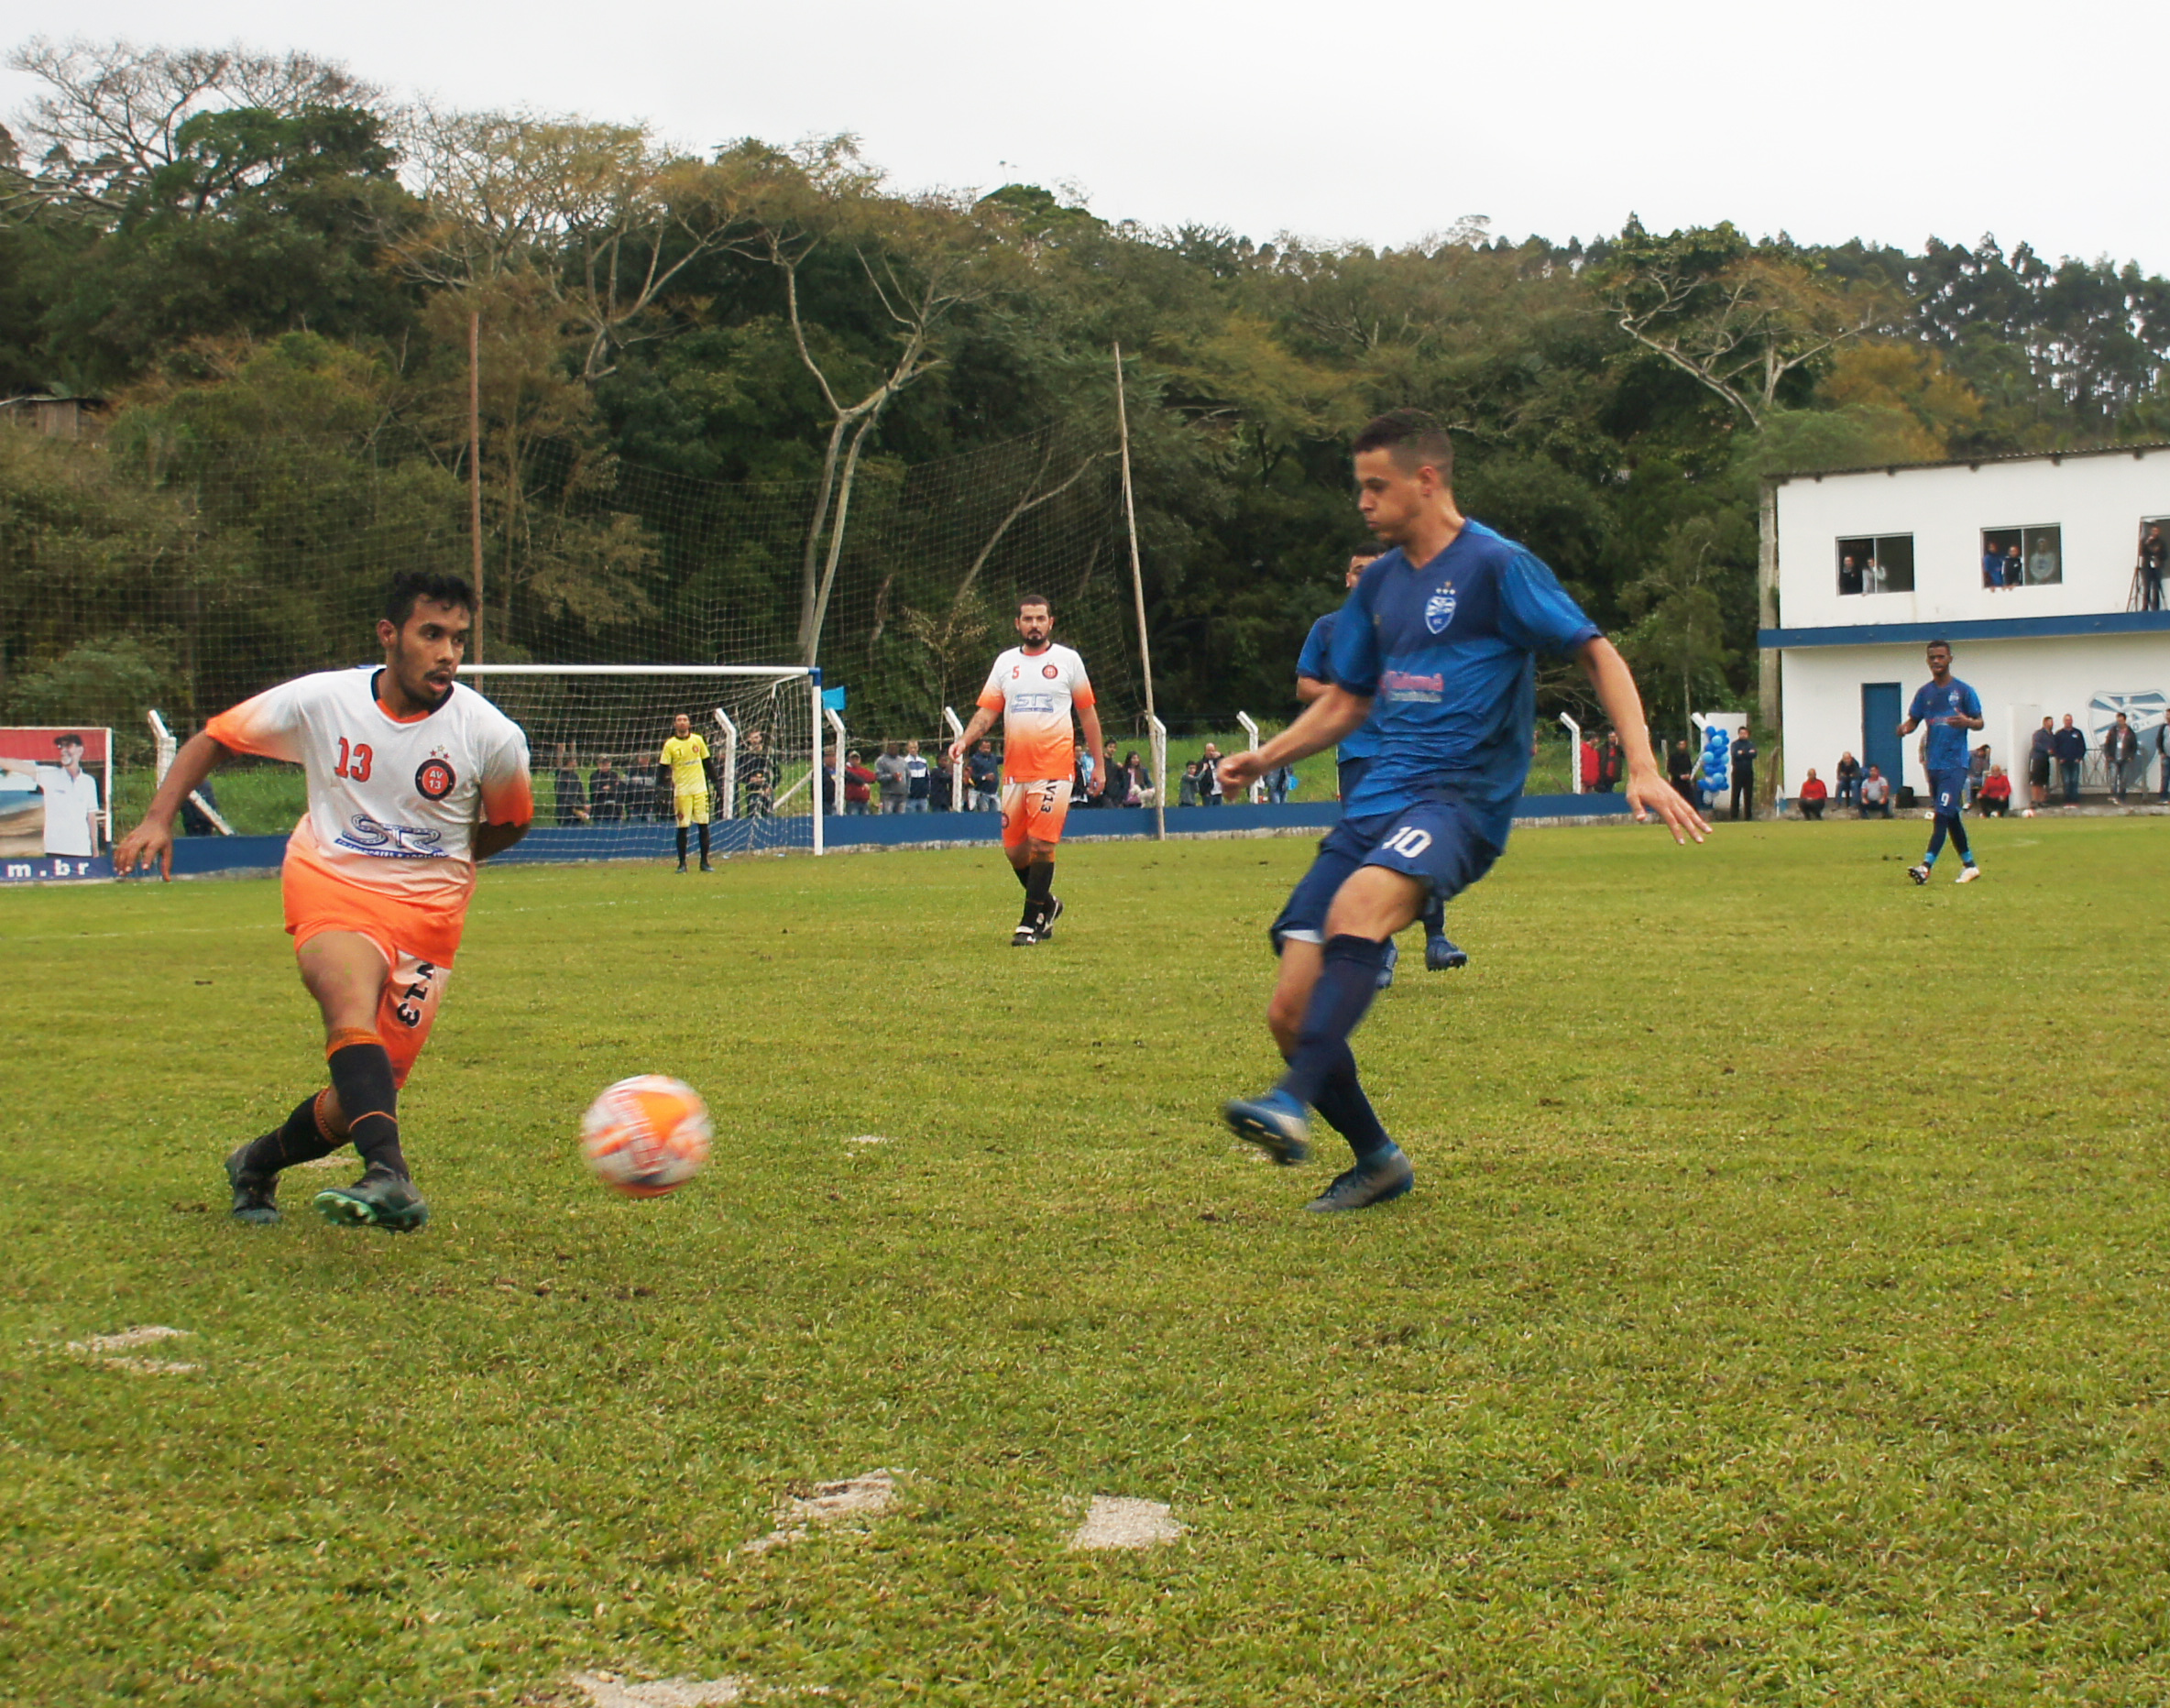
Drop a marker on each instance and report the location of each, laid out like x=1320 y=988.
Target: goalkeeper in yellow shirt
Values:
x=685 y=757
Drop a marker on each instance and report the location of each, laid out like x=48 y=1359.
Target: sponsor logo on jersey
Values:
x=434 y=777
x=1413 y=686
x=365 y=835
x=1049 y=671
x=1032 y=702
x=1439 y=610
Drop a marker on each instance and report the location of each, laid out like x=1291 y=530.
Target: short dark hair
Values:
x=410 y=586
x=1414 y=436
x=1932 y=645
x=1025 y=599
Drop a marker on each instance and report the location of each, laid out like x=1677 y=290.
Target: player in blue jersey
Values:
x=1439 y=636
x=1353 y=755
x=1950 y=709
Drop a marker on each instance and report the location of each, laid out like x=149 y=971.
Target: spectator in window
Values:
x=1849 y=577
x=1995 y=799
x=2041 y=566
x=572 y=789
x=1876 y=794
x=859 y=785
x=983 y=772
x=1992 y=565
x=1208 y=776
x=606 y=793
x=1977 y=770
x=915 y=778
x=1849 y=781
x=2069 y=745
x=1611 y=763
x=2015 y=571
x=1188 y=794
x=1872 y=576
x=2039 y=754
x=890 y=780
x=2154 y=558
x=2121 y=746
x=1813 y=793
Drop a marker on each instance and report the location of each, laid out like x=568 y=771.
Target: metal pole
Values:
x=1251 y=729
x=1575 y=754
x=729 y=790
x=814 y=758
x=475 y=465
x=956 y=771
x=1137 y=584
x=836 y=724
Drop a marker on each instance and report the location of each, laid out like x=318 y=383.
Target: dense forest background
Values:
x=268 y=270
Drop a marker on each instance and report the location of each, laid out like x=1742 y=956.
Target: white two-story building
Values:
x=1874 y=563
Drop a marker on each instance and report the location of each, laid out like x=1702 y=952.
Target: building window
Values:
x=2022 y=557
x=1875 y=563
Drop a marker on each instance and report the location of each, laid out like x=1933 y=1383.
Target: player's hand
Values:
x=1095 y=784
x=1238 y=770
x=146 y=847
x=955 y=752
x=1650 y=794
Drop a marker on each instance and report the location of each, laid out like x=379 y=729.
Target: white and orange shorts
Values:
x=417 y=943
x=1034 y=811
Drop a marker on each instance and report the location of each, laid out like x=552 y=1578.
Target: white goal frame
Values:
x=780 y=673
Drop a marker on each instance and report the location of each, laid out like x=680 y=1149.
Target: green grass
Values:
x=1778 y=1317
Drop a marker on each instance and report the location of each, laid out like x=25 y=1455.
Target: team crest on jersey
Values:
x=1439 y=610
x=434 y=777
x=1049 y=671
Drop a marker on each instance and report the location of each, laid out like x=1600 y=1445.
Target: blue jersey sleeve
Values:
x=1535 y=611
x=1353 y=659
x=1971 y=702
x=1921 y=711
x=1312 y=660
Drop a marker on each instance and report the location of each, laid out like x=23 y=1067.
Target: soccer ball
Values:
x=647 y=1136
x=2027 y=812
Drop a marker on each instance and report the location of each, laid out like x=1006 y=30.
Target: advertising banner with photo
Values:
x=56 y=791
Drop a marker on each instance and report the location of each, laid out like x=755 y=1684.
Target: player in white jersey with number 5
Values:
x=1035 y=688
x=413 y=779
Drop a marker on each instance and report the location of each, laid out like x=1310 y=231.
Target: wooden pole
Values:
x=1138 y=586
x=475 y=465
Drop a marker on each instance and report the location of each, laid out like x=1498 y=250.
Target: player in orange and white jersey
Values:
x=1035 y=688
x=413 y=779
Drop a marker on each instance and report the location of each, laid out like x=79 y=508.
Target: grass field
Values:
x=1778 y=1317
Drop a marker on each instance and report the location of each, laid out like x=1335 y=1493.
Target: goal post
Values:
x=595 y=735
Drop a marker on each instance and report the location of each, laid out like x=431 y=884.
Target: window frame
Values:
x=1847 y=545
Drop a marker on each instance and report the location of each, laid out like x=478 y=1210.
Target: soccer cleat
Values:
x=1275 y=1124
x=1387 y=966
x=1920 y=874
x=1025 y=936
x=1968 y=874
x=705 y=866
x=1054 y=913
x=1440 y=955
x=1385 y=1176
x=254 y=1195
x=380 y=1199
x=681 y=869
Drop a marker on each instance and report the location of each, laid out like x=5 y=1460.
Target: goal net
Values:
x=595 y=739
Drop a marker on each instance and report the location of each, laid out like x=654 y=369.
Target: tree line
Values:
x=262 y=251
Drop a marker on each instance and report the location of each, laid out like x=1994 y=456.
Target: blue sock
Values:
x=1344 y=1108
x=1347 y=982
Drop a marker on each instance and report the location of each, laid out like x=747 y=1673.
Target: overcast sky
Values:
x=1883 y=119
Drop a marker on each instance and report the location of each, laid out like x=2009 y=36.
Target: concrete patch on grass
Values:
x=799 y=1516
x=1121 y=1521
x=607 y=1691
x=867 y=1138
x=111 y=1351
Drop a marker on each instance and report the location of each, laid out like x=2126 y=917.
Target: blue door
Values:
x=1880 y=745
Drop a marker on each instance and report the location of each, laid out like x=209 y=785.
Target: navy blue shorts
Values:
x=1432 y=842
x=1948 y=792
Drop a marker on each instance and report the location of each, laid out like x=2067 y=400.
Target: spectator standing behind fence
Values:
x=572 y=791
x=889 y=778
x=940 y=789
x=2121 y=746
x=2154 y=558
x=606 y=793
x=917 y=782
x=1744 y=776
x=983 y=772
x=1679 y=770
x=1849 y=781
x=757 y=777
x=2070 y=747
x=1139 y=791
x=1611 y=763
x=1208 y=776
x=1813 y=795
x=1188 y=794
x=1876 y=794
x=2039 y=754
x=1995 y=799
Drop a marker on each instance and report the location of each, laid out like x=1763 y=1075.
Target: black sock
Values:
x=1435 y=918
x=362 y=1074
x=1344 y=1106
x=703 y=829
x=1347 y=982
x=1023 y=879
x=302 y=1139
x=1039 y=881
x=682 y=845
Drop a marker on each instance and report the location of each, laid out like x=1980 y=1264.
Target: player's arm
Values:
x=1089 y=721
x=1334 y=713
x=1309 y=688
x=496 y=838
x=982 y=721
x=20 y=767
x=151 y=842
x=1647 y=789
x=507 y=799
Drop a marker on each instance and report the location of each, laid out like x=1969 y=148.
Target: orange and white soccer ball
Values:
x=647 y=1136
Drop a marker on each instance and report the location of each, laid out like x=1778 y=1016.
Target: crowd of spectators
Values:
x=2056 y=761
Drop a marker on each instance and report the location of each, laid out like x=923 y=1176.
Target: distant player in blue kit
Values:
x=1950 y=709
x=1351 y=763
x=1441 y=635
